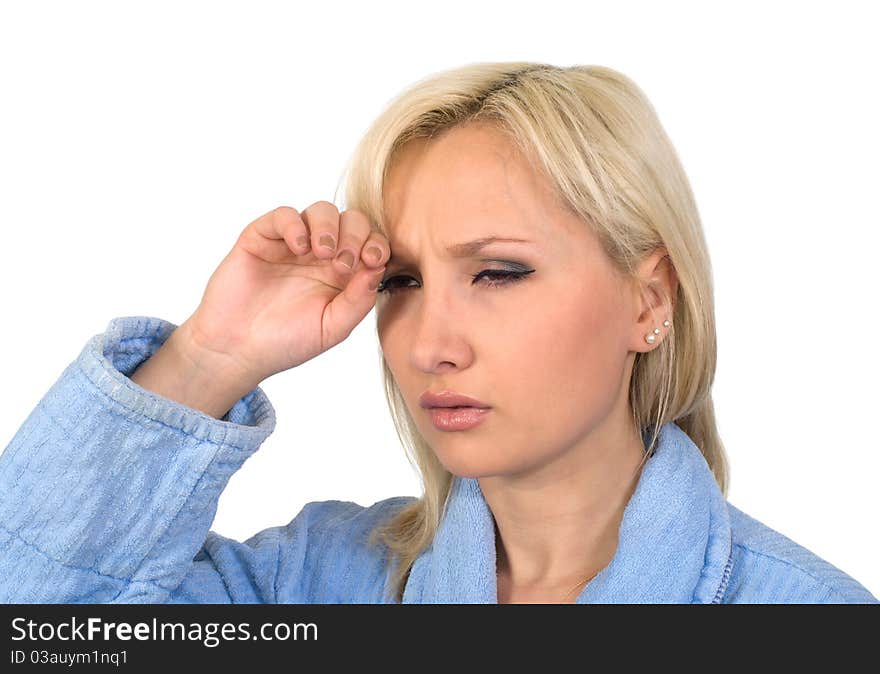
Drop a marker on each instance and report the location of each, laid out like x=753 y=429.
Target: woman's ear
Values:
x=657 y=282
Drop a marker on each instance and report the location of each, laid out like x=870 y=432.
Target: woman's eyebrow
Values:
x=468 y=248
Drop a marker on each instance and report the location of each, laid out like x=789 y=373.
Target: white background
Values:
x=138 y=139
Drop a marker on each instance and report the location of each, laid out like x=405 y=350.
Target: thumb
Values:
x=350 y=306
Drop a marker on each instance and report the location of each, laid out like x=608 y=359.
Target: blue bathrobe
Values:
x=108 y=491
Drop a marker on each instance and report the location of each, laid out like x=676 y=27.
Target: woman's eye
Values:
x=494 y=279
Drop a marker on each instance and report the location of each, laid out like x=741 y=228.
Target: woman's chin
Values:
x=472 y=466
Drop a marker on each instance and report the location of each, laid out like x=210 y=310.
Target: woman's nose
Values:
x=439 y=332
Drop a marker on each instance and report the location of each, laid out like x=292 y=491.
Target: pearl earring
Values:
x=651 y=338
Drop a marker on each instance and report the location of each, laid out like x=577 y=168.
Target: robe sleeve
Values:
x=108 y=490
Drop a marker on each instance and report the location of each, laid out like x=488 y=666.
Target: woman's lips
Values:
x=457 y=418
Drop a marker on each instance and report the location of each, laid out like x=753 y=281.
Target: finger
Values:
x=350 y=306
x=322 y=220
x=354 y=227
x=278 y=233
x=376 y=250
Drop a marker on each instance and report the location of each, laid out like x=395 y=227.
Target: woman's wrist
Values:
x=193 y=376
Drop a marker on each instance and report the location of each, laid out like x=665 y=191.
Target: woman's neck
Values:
x=557 y=527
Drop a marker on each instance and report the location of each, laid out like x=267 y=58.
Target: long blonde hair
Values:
x=598 y=139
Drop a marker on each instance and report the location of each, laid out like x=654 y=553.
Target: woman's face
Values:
x=549 y=351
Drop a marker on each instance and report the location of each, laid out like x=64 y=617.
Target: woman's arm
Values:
x=108 y=490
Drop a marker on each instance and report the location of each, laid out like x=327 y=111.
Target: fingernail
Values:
x=327 y=241
x=346 y=257
x=374 y=253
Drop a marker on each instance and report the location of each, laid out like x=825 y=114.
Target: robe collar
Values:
x=674 y=541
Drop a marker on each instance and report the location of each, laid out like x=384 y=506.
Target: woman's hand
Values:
x=280 y=298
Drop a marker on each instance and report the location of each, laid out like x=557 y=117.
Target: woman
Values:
x=546 y=320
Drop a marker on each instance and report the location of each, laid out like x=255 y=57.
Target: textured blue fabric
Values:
x=108 y=491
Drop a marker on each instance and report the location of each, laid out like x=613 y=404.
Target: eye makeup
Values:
x=493 y=278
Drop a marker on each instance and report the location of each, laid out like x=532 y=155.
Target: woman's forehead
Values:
x=468 y=181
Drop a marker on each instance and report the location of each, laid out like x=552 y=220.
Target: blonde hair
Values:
x=598 y=139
